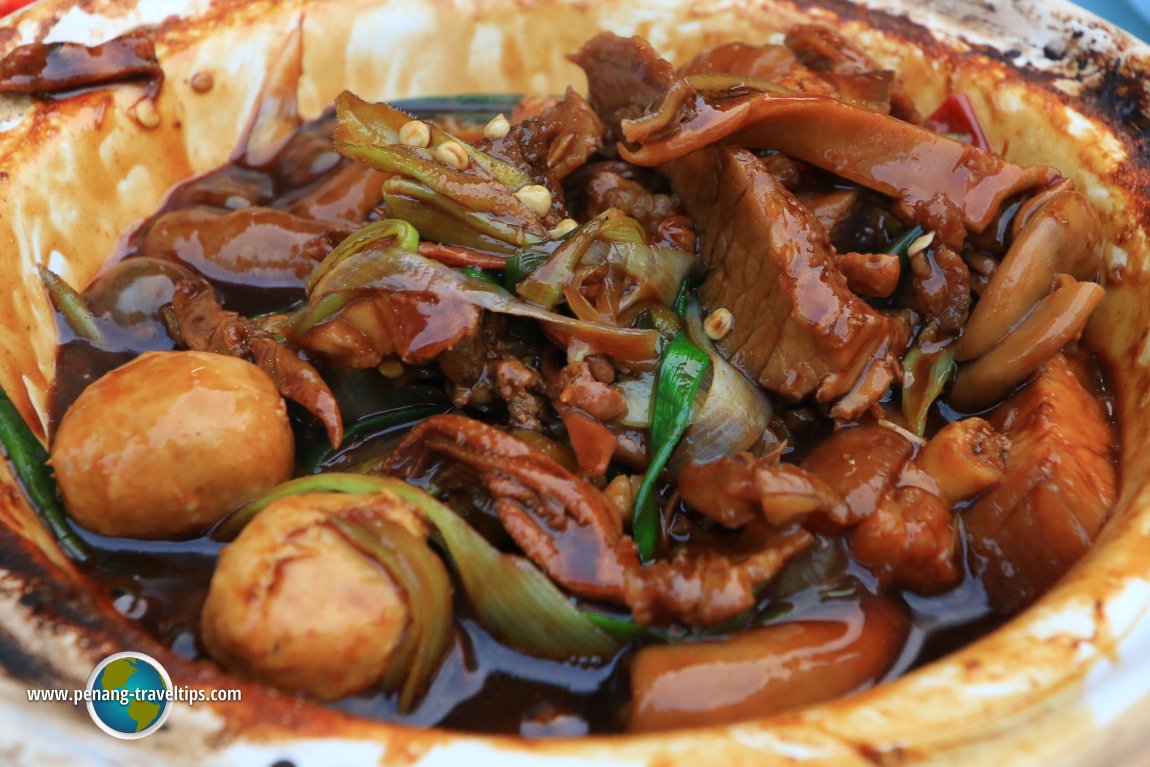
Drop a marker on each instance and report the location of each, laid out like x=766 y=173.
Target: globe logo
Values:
x=129 y=695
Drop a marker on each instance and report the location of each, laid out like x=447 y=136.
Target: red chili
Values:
x=956 y=115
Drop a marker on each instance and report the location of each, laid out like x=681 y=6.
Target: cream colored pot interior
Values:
x=1062 y=684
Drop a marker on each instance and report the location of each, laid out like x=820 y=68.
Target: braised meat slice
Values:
x=798 y=330
x=625 y=76
x=552 y=144
x=1059 y=485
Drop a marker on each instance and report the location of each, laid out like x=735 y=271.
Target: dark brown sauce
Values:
x=49 y=68
x=481 y=684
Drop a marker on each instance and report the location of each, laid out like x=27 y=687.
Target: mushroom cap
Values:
x=170 y=443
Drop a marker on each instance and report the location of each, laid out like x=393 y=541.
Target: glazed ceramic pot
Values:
x=1067 y=682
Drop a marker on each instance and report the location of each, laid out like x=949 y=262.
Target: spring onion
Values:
x=362 y=125
x=28 y=460
x=924 y=374
x=480 y=274
x=523 y=264
x=734 y=413
x=900 y=246
x=482 y=105
x=427 y=587
x=514 y=600
x=72 y=307
x=391 y=231
x=397 y=270
x=676 y=384
x=445 y=220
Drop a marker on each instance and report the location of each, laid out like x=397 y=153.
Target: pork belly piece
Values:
x=1059 y=487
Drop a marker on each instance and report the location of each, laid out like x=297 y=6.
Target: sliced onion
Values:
x=637 y=392
x=656 y=271
x=734 y=415
x=399 y=270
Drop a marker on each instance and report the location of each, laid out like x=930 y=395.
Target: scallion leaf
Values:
x=480 y=274
x=484 y=104
x=425 y=583
x=626 y=630
x=398 y=233
x=28 y=459
x=71 y=306
x=522 y=264
x=924 y=374
x=683 y=299
x=514 y=600
x=680 y=373
x=900 y=246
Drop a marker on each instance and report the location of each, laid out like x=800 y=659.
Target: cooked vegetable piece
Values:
x=1063 y=236
x=1057 y=320
x=924 y=375
x=515 y=600
x=362 y=126
x=420 y=574
x=28 y=460
x=733 y=416
x=680 y=373
x=72 y=307
x=956 y=117
x=433 y=308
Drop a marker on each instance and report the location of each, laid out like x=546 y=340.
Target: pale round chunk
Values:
x=170 y=443
x=294 y=604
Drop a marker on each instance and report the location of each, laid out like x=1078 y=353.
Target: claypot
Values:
x=1067 y=682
